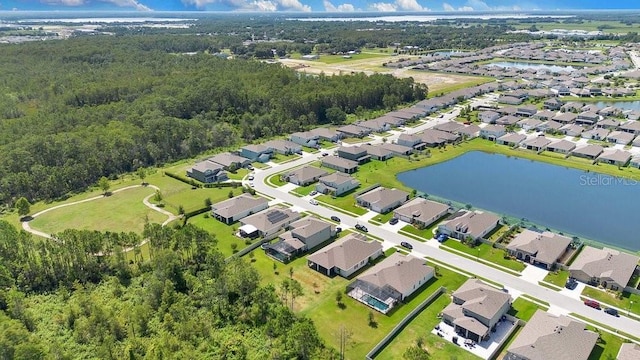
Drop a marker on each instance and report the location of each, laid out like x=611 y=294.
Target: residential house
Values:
x=257 y=152
x=511 y=139
x=391 y=281
x=537 y=143
x=284 y=147
x=562 y=146
x=336 y=184
x=587 y=118
x=620 y=137
x=476 y=309
x=635 y=161
x=629 y=351
x=492 y=132
x=377 y=152
x=236 y=208
x=354 y=153
x=382 y=200
x=305 y=175
x=527 y=110
x=544 y=249
x=545 y=115
x=449 y=126
x=305 y=138
x=615 y=157
x=551 y=126
x=488 y=116
x=510 y=100
x=547 y=336
x=609 y=268
x=410 y=140
x=375 y=125
x=590 y=151
x=398 y=149
x=433 y=138
x=595 y=134
x=421 y=212
x=230 y=161
x=571 y=130
x=353 y=131
x=207 y=172
x=508 y=120
x=609 y=111
x=472 y=225
x=554 y=103
x=271 y=221
x=345 y=256
x=508 y=110
x=571 y=106
x=303 y=235
x=565 y=118
x=608 y=123
x=337 y=163
x=326 y=134
x=469 y=131
x=632 y=126
x=529 y=124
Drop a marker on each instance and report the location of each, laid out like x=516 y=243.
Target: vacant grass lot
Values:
x=486 y=252
x=609 y=298
x=333 y=59
x=120 y=212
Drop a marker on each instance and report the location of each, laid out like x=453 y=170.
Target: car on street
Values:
x=442 y=238
x=592 y=303
x=571 y=283
x=249 y=167
x=325 y=154
x=362 y=228
x=335 y=218
x=405 y=244
x=313 y=202
x=393 y=221
x=612 y=311
x=312 y=193
x=250 y=177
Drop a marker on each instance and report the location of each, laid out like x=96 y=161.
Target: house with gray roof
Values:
x=469 y=131
x=326 y=134
x=608 y=123
x=590 y=151
x=508 y=110
x=271 y=221
x=353 y=131
x=565 y=118
x=303 y=235
x=508 y=120
x=476 y=309
x=632 y=126
x=541 y=249
x=376 y=125
x=207 y=172
x=469 y=224
x=553 y=103
x=337 y=163
x=305 y=175
x=336 y=184
x=571 y=130
x=488 y=116
x=545 y=115
x=587 y=118
x=629 y=351
x=510 y=100
x=595 y=134
x=382 y=200
x=305 y=138
x=229 y=160
x=236 y=208
x=609 y=268
x=377 y=152
x=492 y=132
x=411 y=140
x=391 y=281
x=449 y=126
x=529 y=124
x=354 y=153
x=345 y=256
x=620 y=137
x=615 y=157
x=284 y=147
x=433 y=138
x=511 y=139
x=526 y=110
x=548 y=336
x=421 y=212
x=538 y=143
x=562 y=146
x=256 y=152
x=398 y=149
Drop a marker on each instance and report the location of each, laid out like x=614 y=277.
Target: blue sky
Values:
x=316 y=5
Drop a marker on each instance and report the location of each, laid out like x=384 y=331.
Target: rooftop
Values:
x=346 y=252
x=238 y=204
x=606 y=263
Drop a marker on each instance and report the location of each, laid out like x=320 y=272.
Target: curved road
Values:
x=423 y=249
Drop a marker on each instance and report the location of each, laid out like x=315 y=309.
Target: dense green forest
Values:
x=73 y=111
x=66 y=300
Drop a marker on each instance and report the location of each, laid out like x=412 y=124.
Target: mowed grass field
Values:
x=122 y=211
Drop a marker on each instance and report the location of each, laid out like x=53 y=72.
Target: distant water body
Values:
x=593 y=206
x=422 y=18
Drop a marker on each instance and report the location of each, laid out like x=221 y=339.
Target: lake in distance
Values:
x=589 y=205
x=520 y=65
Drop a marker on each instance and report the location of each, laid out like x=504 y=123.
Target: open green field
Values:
x=421 y=326
x=486 y=252
x=628 y=301
x=121 y=212
x=333 y=59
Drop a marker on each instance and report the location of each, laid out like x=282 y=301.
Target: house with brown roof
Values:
x=377 y=152
x=595 y=134
x=545 y=115
x=421 y=212
x=629 y=351
x=548 y=336
x=608 y=123
x=391 y=281
x=337 y=163
x=345 y=256
x=270 y=222
x=469 y=224
x=508 y=120
x=336 y=184
x=609 y=268
x=476 y=309
x=229 y=160
x=303 y=235
x=538 y=143
x=353 y=131
x=326 y=134
x=236 y=208
x=382 y=200
x=590 y=151
x=571 y=129
x=620 y=137
x=449 y=126
x=284 y=147
x=562 y=146
x=565 y=118
x=541 y=249
x=631 y=126
x=615 y=157
x=433 y=138
x=305 y=175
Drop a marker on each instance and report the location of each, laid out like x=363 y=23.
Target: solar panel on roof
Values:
x=276 y=216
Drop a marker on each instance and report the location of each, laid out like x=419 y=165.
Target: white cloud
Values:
x=447 y=7
x=346 y=7
x=465 y=8
x=64 y=2
x=128 y=3
x=295 y=5
x=384 y=7
x=410 y=5
x=478 y=5
x=255 y=5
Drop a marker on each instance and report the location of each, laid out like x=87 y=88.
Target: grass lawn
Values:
x=424 y=233
x=259 y=165
x=558 y=278
x=121 y=212
x=275 y=180
x=333 y=59
x=497 y=232
x=238 y=175
x=357 y=140
x=345 y=202
x=421 y=326
x=223 y=232
x=486 y=252
x=304 y=190
x=524 y=309
x=193 y=199
x=382 y=218
x=280 y=158
x=324 y=144
x=607 y=346
x=461 y=82
x=610 y=298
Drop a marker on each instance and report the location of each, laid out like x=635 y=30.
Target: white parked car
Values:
x=313 y=202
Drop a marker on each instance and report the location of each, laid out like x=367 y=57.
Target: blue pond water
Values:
x=624 y=105
x=535 y=66
x=594 y=206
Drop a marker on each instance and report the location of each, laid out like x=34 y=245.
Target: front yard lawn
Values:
x=382 y=218
x=486 y=252
x=281 y=158
x=610 y=298
x=345 y=202
x=524 y=309
x=558 y=278
x=275 y=180
x=304 y=190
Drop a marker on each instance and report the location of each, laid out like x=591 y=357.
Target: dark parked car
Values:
x=571 y=284
x=592 y=303
x=338 y=230
x=325 y=154
x=406 y=245
x=362 y=228
x=611 y=311
x=393 y=221
x=442 y=238
x=335 y=218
